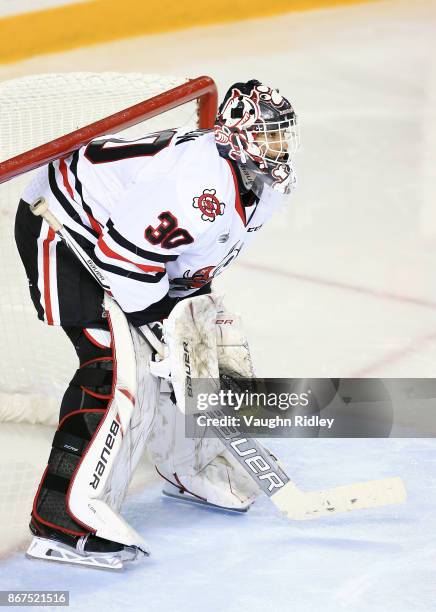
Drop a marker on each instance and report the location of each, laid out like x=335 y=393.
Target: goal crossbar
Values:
x=201 y=88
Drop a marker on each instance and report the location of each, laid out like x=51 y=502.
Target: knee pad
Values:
x=94 y=378
x=91 y=385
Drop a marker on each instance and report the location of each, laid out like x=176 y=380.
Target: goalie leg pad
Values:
x=204 y=341
x=82 y=409
x=100 y=483
x=196 y=469
x=96 y=449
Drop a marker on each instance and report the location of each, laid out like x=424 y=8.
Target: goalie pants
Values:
x=62 y=290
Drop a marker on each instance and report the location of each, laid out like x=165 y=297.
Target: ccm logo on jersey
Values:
x=209 y=205
x=224 y=321
x=254 y=229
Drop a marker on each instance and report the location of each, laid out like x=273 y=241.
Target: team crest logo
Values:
x=203 y=276
x=209 y=205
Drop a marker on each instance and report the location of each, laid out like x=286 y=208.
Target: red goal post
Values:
x=201 y=88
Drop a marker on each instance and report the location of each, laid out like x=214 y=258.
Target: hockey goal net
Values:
x=63 y=110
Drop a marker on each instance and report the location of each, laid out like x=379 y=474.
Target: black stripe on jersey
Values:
x=78 y=184
x=142 y=277
x=129 y=246
x=89 y=247
x=82 y=241
x=69 y=208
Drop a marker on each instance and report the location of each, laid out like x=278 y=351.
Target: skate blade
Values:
x=50 y=550
x=190 y=499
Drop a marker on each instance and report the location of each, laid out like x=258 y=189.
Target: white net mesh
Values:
x=37 y=361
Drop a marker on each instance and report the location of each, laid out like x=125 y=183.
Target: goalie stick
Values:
x=257 y=461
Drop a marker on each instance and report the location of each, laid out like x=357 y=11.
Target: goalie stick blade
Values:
x=298 y=505
x=51 y=550
x=174 y=493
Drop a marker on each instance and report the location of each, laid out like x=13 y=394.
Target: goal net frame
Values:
x=203 y=89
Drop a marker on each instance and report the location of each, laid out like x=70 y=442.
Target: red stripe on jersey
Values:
x=64 y=172
x=46 y=271
x=94 y=224
x=109 y=253
x=238 y=204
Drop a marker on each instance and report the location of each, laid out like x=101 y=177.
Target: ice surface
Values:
x=380 y=560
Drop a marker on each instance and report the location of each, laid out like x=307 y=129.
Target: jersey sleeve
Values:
x=146 y=230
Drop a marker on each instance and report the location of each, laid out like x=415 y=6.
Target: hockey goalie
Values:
x=160 y=216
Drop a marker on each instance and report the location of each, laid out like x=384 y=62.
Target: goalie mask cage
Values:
x=44 y=117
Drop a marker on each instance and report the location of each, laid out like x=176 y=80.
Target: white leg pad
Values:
x=100 y=484
x=203 y=341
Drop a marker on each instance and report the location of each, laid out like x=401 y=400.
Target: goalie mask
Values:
x=257 y=127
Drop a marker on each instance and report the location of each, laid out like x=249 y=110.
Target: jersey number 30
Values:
x=168 y=234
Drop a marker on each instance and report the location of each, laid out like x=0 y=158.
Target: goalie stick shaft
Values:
x=257 y=461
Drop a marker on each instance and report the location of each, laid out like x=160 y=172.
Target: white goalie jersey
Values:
x=162 y=214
